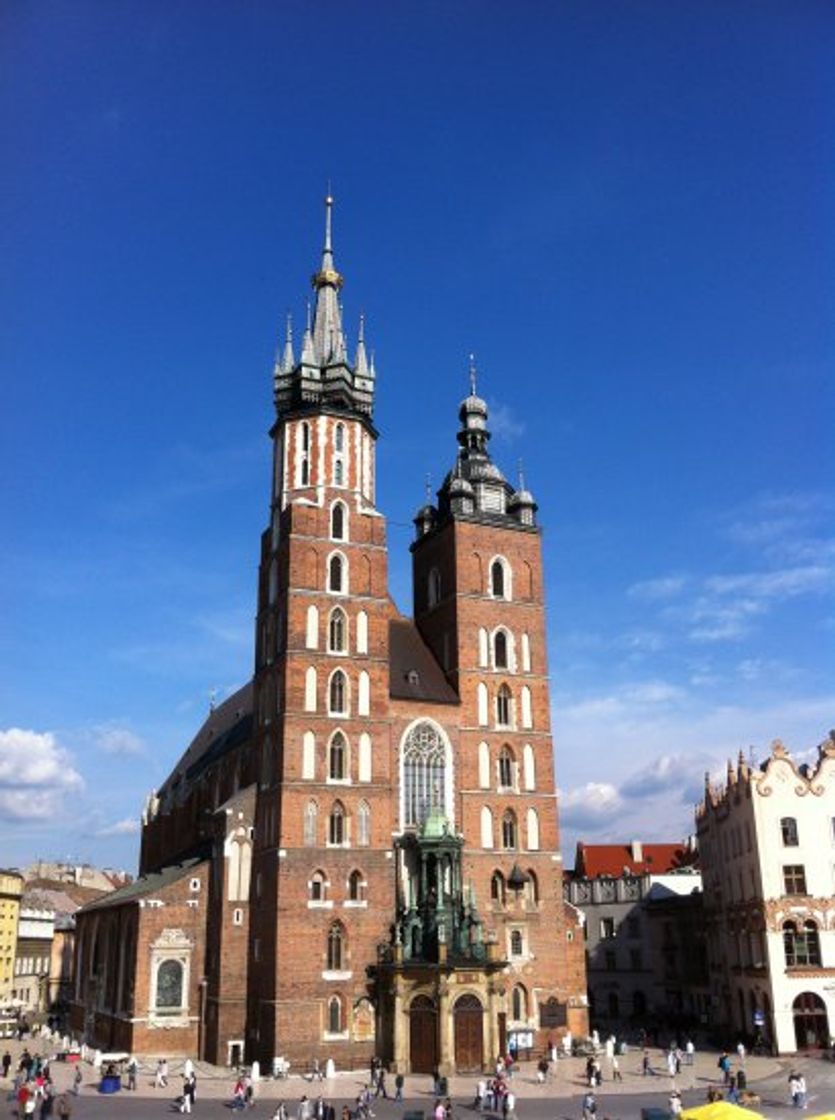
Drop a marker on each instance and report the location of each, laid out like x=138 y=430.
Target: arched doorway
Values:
x=423 y=1035
x=469 y=1034
x=811 y=1028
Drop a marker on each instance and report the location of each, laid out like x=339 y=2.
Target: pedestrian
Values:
x=733 y=1092
x=399 y=1082
x=690 y=1052
x=794 y=1089
x=589 y=1106
x=675 y=1103
x=646 y=1067
x=510 y=1105
x=740 y=1049
x=7 y=1061
x=541 y=1070
x=47 y=1100
x=439 y=1112
x=161 y=1075
x=76 y=1081
x=801 y=1091
x=381 y=1091
x=616 y=1074
x=281 y=1112
x=63 y=1107
x=133 y=1067
x=724 y=1064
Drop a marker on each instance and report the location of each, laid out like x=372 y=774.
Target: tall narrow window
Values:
x=794 y=879
x=305 y=436
x=318 y=888
x=434 y=589
x=497 y=579
x=533 y=830
x=788 y=828
x=310 y=689
x=519 y=1004
x=336 y=825
x=363 y=824
x=335 y=1015
x=506 y=768
x=486 y=827
x=500 y=650
x=338 y=473
x=516 y=944
x=311 y=814
x=509 y=831
x=336 y=573
x=356 y=886
x=339 y=437
x=336 y=948
x=362 y=632
x=497 y=892
x=338 y=694
x=169 y=986
x=305 y=472
x=338 y=758
x=504 y=706
x=338 y=522
x=337 y=629
x=424 y=773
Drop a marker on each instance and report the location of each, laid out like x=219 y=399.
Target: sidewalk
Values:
x=568 y=1080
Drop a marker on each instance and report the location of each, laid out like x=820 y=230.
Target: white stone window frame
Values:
x=346 y=529
x=510 y=649
x=449 y=772
x=346 y=781
x=346 y=712
x=171 y=945
x=344 y=650
x=507 y=596
x=345 y=589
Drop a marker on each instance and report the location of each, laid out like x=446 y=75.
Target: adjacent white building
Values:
x=767 y=845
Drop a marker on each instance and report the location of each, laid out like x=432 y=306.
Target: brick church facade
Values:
x=358 y=854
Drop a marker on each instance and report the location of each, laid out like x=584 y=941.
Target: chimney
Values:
x=637 y=851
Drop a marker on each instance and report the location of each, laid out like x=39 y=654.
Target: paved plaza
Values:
x=558 y=1099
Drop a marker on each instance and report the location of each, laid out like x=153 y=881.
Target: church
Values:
x=358 y=853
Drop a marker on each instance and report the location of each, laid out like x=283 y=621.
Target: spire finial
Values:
x=309 y=316
x=362 y=327
x=328 y=219
x=428 y=487
x=472 y=375
x=289 y=326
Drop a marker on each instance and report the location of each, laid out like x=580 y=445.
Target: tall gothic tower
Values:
x=323 y=875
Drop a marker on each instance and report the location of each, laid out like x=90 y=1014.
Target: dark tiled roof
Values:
x=414 y=674
x=219 y=725
x=145 y=885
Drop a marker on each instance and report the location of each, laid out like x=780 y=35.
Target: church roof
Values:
x=145 y=885
x=594 y=861
x=224 y=727
x=414 y=674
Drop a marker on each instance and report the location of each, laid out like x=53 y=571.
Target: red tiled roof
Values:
x=596 y=860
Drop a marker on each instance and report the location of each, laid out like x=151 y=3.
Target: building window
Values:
x=305 y=436
x=519 y=1004
x=336 y=573
x=338 y=522
x=509 y=831
x=305 y=472
x=338 y=758
x=318 y=887
x=336 y=825
x=335 y=1015
x=336 y=947
x=802 y=945
x=356 y=887
x=506 y=768
x=337 y=627
x=339 y=437
x=169 y=986
x=504 y=704
x=607 y=928
x=237 y=917
x=611 y=960
x=517 y=947
x=497 y=894
x=500 y=650
x=497 y=580
x=794 y=878
x=311 y=813
x=434 y=588
x=337 y=694
x=424 y=773
x=531 y=888
x=363 y=825
x=788 y=828
x=338 y=473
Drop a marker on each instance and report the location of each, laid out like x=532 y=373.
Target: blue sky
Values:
x=625 y=211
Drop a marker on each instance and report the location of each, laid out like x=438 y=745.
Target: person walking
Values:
x=689 y=1052
x=399 y=1082
x=675 y=1102
x=76 y=1081
x=133 y=1067
x=7 y=1061
x=589 y=1106
x=616 y=1074
x=63 y=1107
x=646 y=1067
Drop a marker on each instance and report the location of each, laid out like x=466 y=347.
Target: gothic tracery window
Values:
x=504 y=705
x=338 y=522
x=337 y=758
x=509 y=831
x=338 y=694
x=337 y=832
x=336 y=573
x=336 y=947
x=424 y=773
x=336 y=631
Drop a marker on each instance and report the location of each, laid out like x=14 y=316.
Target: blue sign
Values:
x=759 y=1019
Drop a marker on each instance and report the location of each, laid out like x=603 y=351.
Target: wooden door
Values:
x=469 y=1035
x=423 y=1036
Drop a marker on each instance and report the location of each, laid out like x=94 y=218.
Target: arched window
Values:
x=311 y=814
x=801 y=944
x=516 y=943
x=486 y=827
x=504 y=706
x=364 y=766
x=434 y=588
x=509 y=831
x=531 y=888
x=336 y=573
x=363 y=693
x=483 y=765
x=308 y=756
x=529 y=766
x=339 y=437
x=533 y=830
x=526 y=653
x=336 y=948
x=507 y=768
x=337 y=631
x=338 y=473
x=338 y=694
x=336 y=825
x=497 y=579
x=338 y=758
x=788 y=829
x=305 y=474
x=527 y=714
x=305 y=436
x=424 y=773
x=356 y=886
x=497 y=888
x=318 y=886
x=169 y=986
x=363 y=824
x=334 y=1015
x=500 y=650
x=338 y=521
x=519 y=1003
x=481 y=698
x=362 y=632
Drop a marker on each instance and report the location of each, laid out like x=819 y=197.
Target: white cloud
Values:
x=589 y=805
x=115 y=739
x=126 y=827
x=35 y=775
x=784 y=583
x=652 y=590
x=503 y=424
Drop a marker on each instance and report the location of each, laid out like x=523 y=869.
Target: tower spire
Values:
x=327 y=321
x=472 y=375
x=288 y=361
